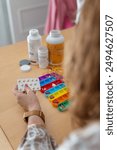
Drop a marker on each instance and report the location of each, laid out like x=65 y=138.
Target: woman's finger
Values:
x=27 y=89
x=15 y=90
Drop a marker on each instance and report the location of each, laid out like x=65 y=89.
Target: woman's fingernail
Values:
x=26 y=85
x=34 y=92
x=24 y=92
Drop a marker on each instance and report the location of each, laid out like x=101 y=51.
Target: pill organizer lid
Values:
x=64 y=105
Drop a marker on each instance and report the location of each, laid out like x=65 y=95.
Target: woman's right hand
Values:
x=28 y=100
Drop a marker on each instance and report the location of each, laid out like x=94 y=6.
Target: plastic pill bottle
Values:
x=43 y=57
x=34 y=42
x=55 y=44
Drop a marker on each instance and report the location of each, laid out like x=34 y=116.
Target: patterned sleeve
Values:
x=37 y=138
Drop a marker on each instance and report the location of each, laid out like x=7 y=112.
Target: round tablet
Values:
x=25 y=68
x=24 y=62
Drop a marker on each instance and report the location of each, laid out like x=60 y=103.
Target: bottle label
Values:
x=33 y=51
x=55 y=53
x=43 y=62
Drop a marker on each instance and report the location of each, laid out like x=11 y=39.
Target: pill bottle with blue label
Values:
x=34 y=42
x=55 y=44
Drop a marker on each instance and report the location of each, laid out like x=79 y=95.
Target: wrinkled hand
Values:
x=27 y=100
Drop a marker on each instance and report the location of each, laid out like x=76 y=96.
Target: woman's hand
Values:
x=27 y=100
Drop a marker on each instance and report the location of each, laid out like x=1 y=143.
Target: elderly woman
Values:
x=84 y=81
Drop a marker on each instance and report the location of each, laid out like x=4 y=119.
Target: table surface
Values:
x=11 y=122
x=4 y=143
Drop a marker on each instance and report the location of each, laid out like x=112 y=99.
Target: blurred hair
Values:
x=82 y=65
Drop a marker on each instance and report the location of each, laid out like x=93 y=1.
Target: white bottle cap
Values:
x=25 y=68
x=55 y=33
x=34 y=32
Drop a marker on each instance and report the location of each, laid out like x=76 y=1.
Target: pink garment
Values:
x=61 y=14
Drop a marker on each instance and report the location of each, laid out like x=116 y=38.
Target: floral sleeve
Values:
x=37 y=138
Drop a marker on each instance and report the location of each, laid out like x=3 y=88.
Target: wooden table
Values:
x=11 y=122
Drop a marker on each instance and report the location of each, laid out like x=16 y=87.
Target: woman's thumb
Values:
x=27 y=88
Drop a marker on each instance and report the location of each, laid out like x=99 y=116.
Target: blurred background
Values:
x=17 y=17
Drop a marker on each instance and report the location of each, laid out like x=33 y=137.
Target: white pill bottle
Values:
x=34 y=42
x=55 y=45
x=43 y=57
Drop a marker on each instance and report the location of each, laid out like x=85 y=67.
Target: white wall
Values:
x=17 y=17
x=5 y=37
x=25 y=15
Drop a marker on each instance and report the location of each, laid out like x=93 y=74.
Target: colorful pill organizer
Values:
x=54 y=88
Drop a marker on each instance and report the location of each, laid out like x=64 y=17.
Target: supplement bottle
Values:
x=43 y=57
x=34 y=42
x=55 y=44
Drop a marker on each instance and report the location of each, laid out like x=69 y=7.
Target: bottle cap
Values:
x=24 y=62
x=25 y=68
x=34 y=32
x=55 y=33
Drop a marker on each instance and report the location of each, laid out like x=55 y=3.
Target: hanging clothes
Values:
x=61 y=14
